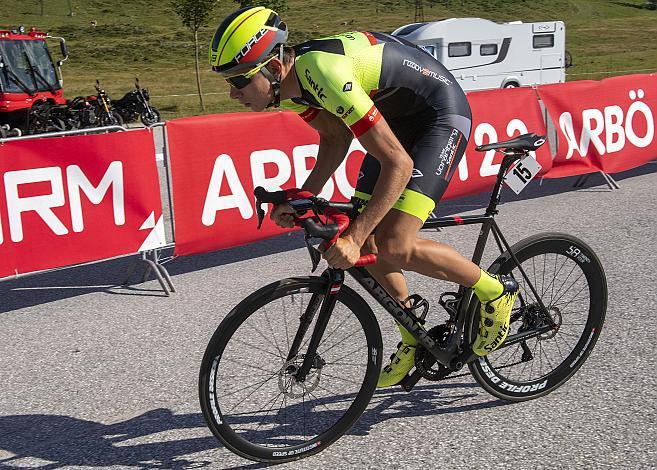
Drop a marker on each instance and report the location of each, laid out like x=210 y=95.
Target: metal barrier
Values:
x=91 y=130
x=152 y=259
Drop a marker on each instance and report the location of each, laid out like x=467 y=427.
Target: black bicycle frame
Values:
x=451 y=354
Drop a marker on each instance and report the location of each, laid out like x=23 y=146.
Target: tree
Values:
x=194 y=15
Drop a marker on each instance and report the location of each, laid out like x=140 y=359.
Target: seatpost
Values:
x=507 y=161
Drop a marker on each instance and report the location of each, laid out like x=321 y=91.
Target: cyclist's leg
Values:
x=435 y=153
x=435 y=259
x=399 y=247
x=389 y=276
x=392 y=280
x=497 y=295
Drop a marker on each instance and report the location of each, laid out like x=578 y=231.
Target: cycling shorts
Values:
x=436 y=144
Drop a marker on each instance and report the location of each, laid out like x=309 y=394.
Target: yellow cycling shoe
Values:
x=400 y=364
x=494 y=318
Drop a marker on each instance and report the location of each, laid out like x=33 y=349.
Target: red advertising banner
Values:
x=68 y=200
x=497 y=115
x=606 y=125
x=217 y=161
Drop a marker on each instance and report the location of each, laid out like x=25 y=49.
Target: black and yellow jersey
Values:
x=359 y=76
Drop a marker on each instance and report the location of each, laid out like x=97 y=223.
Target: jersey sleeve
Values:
x=307 y=113
x=330 y=78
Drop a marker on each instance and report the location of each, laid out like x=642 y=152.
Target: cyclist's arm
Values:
x=396 y=169
x=334 y=141
x=332 y=81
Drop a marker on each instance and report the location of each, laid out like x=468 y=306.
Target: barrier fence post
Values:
x=167 y=168
x=611 y=182
x=152 y=259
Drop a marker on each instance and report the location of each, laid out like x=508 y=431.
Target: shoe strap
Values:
x=504 y=290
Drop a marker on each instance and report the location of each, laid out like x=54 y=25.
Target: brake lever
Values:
x=315 y=257
x=260 y=212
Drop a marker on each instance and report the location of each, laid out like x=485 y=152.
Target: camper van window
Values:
x=488 y=49
x=543 y=40
x=429 y=49
x=459 y=49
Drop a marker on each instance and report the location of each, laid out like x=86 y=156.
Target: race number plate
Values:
x=522 y=173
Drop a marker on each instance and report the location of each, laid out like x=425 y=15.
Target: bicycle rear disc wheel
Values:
x=571 y=282
x=249 y=397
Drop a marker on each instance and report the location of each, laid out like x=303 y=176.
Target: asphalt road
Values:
x=96 y=375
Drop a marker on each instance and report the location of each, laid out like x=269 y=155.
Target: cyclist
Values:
x=413 y=119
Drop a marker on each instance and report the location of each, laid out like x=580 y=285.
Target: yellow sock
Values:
x=487 y=287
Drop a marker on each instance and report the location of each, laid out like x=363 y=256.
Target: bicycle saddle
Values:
x=527 y=142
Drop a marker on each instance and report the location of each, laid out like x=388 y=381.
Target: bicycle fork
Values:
x=325 y=305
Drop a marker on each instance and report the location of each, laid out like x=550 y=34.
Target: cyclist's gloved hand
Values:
x=343 y=254
x=283 y=215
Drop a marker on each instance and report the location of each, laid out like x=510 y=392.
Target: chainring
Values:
x=424 y=361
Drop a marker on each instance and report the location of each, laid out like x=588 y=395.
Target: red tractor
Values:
x=30 y=84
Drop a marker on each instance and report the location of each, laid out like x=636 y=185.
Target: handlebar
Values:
x=338 y=215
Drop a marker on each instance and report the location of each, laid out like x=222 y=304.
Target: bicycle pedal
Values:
x=410 y=380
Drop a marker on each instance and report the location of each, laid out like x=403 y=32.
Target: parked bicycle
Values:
x=294 y=365
x=136 y=105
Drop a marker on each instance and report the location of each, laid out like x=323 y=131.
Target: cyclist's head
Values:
x=245 y=42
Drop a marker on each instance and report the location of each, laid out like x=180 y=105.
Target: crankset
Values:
x=425 y=364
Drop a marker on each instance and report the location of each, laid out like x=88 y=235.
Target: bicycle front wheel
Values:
x=571 y=284
x=249 y=396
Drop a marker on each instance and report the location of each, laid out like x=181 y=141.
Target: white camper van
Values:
x=483 y=54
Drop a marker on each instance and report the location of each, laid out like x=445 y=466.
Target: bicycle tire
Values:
x=235 y=430
x=568 y=255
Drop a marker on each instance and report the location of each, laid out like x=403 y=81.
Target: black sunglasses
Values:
x=238 y=81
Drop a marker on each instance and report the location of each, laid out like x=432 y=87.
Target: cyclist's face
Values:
x=256 y=95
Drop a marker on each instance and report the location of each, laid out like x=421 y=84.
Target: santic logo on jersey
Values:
x=315 y=86
x=249 y=45
x=427 y=72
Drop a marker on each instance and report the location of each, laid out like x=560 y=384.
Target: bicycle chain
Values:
x=439 y=333
x=468 y=373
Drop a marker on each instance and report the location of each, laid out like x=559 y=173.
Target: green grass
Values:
x=145 y=38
